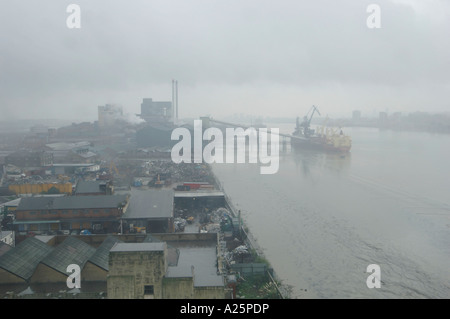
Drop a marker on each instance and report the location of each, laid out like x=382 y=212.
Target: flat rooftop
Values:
x=203 y=257
x=135 y=247
x=150 y=203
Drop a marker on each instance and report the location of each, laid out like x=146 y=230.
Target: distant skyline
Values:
x=261 y=57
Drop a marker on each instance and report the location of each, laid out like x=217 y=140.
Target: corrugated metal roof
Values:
x=101 y=255
x=150 y=204
x=71 y=202
x=23 y=259
x=70 y=251
x=40 y=202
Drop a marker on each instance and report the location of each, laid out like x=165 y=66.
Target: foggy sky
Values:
x=270 y=58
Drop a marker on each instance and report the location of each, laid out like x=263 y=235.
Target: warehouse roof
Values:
x=85 y=187
x=101 y=255
x=203 y=259
x=23 y=259
x=71 y=202
x=70 y=251
x=150 y=204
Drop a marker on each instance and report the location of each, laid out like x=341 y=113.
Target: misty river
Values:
x=323 y=218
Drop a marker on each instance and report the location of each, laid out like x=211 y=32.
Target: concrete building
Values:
x=156 y=112
x=126 y=266
x=141 y=271
x=136 y=270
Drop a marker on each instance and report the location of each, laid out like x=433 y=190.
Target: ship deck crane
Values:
x=306 y=122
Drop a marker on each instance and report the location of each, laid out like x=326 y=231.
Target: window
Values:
x=148 y=291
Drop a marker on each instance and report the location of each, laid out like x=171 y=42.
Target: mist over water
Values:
x=323 y=218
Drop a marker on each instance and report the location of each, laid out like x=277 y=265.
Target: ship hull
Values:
x=319 y=144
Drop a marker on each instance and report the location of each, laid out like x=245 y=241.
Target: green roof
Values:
x=23 y=259
x=101 y=255
x=70 y=251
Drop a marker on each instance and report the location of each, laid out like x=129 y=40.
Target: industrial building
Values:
x=150 y=210
x=97 y=266
x=155 y=136
x=67 y=213
x=53 y=267
x=17 y=265
x=137 y=266
x=155 y=111
x=140 y=271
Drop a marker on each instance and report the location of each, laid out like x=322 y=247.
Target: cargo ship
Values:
x=324 y=138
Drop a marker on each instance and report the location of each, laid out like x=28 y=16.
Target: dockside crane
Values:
x=307 y=122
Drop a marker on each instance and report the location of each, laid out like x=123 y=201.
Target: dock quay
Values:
x=250 y=241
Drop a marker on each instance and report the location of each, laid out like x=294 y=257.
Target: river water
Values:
x=322 y=219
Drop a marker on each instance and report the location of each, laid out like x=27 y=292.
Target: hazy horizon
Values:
x=252 y=57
